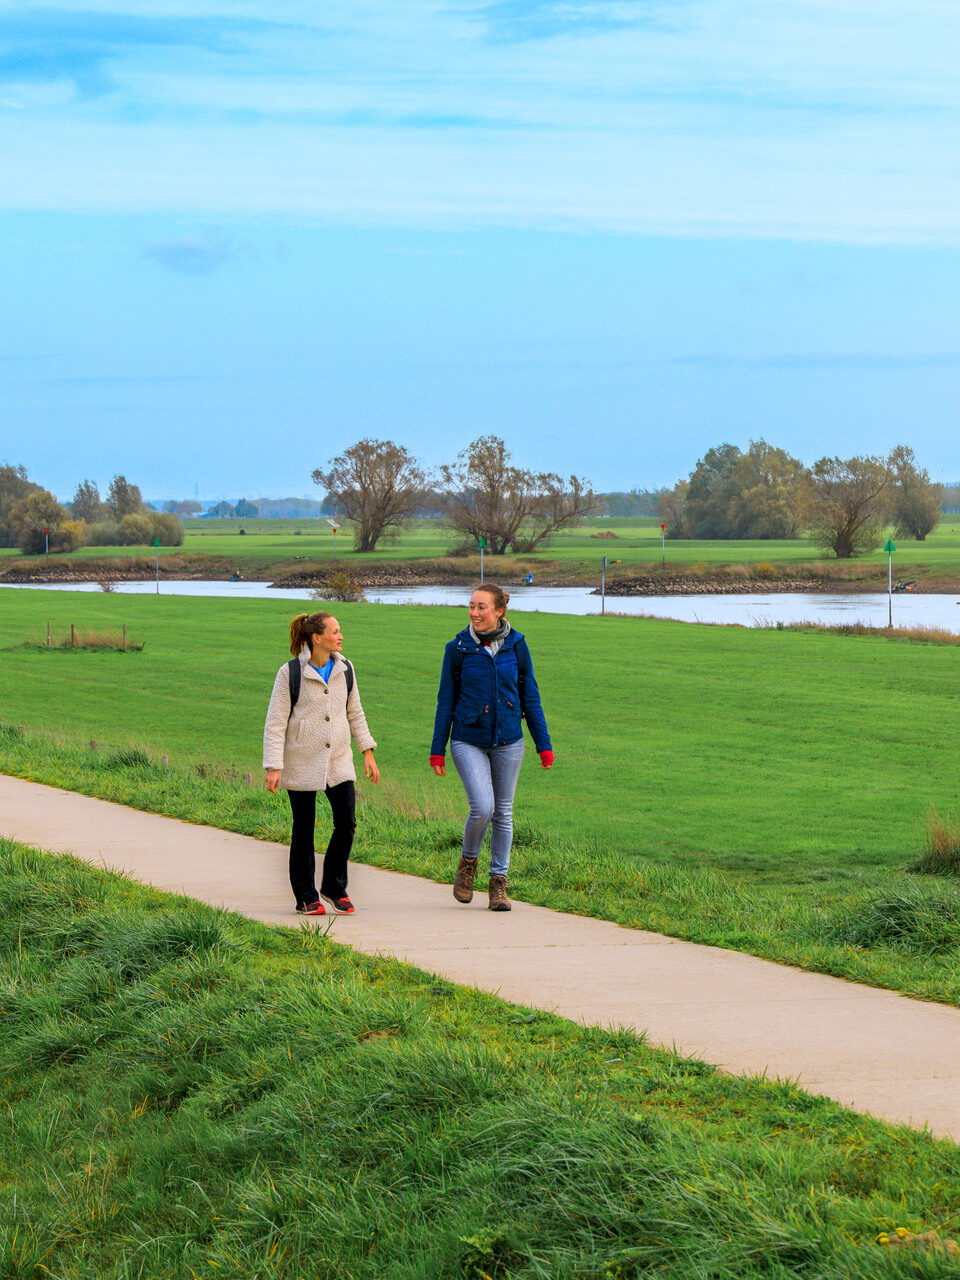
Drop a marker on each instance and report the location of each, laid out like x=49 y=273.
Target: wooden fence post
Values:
x=124 y=635
x=48 y=631
x=73 y=634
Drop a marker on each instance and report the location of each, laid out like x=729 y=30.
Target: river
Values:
x=763 y=609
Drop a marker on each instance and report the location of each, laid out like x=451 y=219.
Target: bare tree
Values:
x=510 y=508
x=850 y=501
x=378 y=485
x=918 y=502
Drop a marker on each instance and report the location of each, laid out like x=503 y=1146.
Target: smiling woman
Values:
x=314 y=712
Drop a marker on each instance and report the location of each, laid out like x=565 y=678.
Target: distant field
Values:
x=794 y=769
x=637 y=543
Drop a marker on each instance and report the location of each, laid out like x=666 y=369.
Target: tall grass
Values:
x=187 y=1095
x=942 y=853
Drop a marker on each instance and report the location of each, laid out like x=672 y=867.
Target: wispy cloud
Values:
x=811 y=119
x=58 y=44
x=516 y=20
x=190 y=255
x=815 y=360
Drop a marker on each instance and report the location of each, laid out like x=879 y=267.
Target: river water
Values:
x=764 y=609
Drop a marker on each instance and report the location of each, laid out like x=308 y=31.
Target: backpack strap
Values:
x=349 y=676
x=294 y=673
x=456 y=665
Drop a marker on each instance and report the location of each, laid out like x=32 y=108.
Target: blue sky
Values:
x=616 y=232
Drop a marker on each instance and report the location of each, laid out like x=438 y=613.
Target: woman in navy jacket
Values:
x=487 y=689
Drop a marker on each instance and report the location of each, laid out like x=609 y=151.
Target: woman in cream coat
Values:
x=308 y=749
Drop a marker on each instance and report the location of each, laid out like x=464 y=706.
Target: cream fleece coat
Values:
x=312 y=746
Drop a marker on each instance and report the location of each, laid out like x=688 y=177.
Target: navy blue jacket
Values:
x=481 y=699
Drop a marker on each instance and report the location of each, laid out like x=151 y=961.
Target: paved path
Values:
x=872 y=1050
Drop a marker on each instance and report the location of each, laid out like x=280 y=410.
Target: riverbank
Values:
x=314 y=575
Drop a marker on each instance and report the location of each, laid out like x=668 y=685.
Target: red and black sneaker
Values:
x=342 y=906
x=312 y=909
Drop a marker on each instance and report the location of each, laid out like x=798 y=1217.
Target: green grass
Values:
x=188 y=1095
x=637 y=545
x=744 y=788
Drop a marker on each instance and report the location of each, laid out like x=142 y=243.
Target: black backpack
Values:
x=294 y=673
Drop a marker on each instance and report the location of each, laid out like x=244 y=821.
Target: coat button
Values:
x=326 y=717
x=328 y=746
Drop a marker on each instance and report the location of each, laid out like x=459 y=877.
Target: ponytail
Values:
x=304 y=627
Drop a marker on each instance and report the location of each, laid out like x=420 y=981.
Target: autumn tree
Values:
x=710 y=493
x=124 y=498
x=31 y=517
x=511 y=509
x=377 y=485
x=850 y=502
x=87 y=504
x=768 y=493
x=917 y=501
x=14 y=486
x=672 y=509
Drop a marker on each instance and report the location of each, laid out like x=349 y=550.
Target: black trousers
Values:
x=343 y=803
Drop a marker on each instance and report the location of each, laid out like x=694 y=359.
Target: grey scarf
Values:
x=492 y=640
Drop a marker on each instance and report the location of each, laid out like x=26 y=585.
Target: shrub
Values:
x=942 y=854
x=70 y=535
x=136 y=530
x=764 y=569
x=339 y=587
x=167 y=527
x=103 y=533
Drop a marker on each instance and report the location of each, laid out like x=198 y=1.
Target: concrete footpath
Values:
x=872 y=1050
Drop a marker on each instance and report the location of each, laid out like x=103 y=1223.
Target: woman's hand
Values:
x=370 y=766
x=273 y=779
x=439 y=766
x=546 y=759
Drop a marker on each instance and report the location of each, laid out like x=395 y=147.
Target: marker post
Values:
x=334 y=526
x=663 y=546
x=481 y=543
x=890 y=549
x=156 y=547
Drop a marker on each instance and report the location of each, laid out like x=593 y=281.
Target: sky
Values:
x=240 y=236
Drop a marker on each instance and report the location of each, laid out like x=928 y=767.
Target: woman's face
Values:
x=483 y=613
x=331 y=638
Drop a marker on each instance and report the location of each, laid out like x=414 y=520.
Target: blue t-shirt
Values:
x=324 y=670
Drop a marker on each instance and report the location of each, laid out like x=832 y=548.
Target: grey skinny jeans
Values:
x=489 y=776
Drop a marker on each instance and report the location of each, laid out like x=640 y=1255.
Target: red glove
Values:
x=546 y=759
x=438 y=762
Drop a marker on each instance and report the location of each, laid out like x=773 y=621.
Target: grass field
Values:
x=188 y=1095
x=759 y=789
x=637 y=543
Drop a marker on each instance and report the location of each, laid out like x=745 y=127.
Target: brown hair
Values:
x=304 y=627
x=497 y=594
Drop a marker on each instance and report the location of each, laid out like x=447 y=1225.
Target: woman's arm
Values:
x=530 y=703
x=446 y=701
x=275 y=727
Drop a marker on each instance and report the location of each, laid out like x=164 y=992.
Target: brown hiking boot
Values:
x=463 y=880
x=498 y=894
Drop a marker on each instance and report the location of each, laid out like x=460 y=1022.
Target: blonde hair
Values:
x=497 y=594
x=304 y=627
